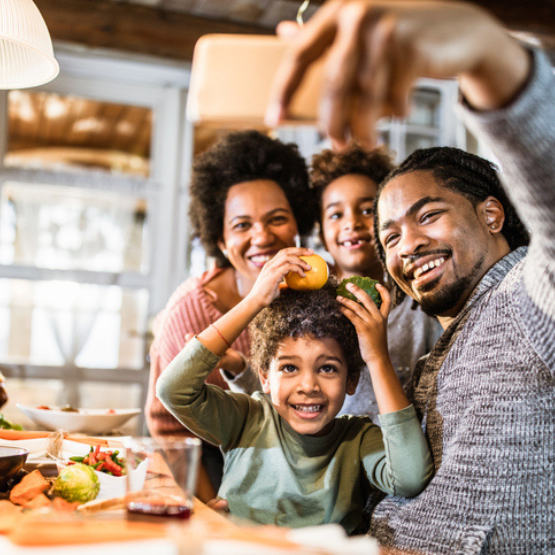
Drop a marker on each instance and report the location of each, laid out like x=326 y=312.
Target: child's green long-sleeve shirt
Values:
x=273 y=475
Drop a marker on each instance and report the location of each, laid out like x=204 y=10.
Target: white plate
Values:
x=87 y=421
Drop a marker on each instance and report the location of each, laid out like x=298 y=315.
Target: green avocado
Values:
x=365 y=283
x=77 y=482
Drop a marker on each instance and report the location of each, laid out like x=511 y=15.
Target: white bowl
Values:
x=110 y=486
x=87 y=421
x=115 y=486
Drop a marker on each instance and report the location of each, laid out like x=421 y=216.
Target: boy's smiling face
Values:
x=307 y=382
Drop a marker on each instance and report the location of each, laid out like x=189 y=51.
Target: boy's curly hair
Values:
x=327 y=166
x=238 y=157
x=297 y=314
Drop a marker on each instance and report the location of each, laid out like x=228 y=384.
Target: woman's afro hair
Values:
x=239 y=157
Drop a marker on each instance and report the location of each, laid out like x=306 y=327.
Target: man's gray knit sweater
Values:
x=486 y=394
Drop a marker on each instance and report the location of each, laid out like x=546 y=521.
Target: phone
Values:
x=231 y=79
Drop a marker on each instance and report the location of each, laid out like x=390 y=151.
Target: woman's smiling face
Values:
x=258 y=222
x=307 y=382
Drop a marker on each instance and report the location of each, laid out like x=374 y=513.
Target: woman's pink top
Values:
x=191 y=309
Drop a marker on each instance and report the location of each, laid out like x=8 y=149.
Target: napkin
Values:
x=333 y=538
x=329 y=539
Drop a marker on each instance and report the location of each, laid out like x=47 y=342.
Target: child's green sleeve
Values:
x=397 y=458
x=208 y=411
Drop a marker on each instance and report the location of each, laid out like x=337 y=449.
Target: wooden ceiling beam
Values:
x=532 y=16
x=146 y=30
x=132 y=27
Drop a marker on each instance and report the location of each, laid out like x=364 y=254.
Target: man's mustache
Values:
x=413 y=258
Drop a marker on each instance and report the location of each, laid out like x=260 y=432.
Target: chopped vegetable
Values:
x=5 y=425
x=77 y=482
x=365 y=283
x=102 y=461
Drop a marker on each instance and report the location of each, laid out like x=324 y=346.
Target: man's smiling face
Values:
x=437 y=243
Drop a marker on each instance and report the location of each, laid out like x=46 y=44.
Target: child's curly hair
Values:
x=300 y=314
x=328 y=165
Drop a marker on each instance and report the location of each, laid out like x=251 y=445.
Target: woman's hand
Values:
x=376 y=49
x=267 y=285
x=369 y=321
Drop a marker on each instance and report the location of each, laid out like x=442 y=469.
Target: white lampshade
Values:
x=26 y=55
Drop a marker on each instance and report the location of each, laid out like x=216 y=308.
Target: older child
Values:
x=345 y=184
x=288 y=460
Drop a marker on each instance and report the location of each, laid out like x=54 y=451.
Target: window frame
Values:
x=162 y=86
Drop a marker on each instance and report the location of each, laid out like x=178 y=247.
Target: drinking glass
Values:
x=161 y=477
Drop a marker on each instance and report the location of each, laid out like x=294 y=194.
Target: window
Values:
x=93 y=241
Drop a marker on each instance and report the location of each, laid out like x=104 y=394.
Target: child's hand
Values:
x=219 y=505
x=266 y=287
x=369 y=321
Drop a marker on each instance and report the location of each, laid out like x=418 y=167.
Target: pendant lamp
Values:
x=26 y=54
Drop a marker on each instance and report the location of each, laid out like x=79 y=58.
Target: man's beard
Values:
x=446 y=298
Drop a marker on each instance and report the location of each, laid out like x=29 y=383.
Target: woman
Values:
x=249 y=199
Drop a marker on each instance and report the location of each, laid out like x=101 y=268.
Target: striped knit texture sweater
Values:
x=190 y=310
x=485 y=394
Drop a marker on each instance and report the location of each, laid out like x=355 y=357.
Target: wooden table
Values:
x=109 y=533
x=103 y=528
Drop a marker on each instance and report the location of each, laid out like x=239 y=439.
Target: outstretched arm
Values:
x=376 y=49
x=208 y=411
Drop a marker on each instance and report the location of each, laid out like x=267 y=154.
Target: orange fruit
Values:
x=315 y=278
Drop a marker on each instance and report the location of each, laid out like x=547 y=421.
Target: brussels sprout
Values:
x=77 y=482
x=365 y=283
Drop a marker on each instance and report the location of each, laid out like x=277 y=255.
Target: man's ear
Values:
x=352 y=382
x=492 y=214
x=265 y=381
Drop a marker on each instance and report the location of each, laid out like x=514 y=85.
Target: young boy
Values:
x=288 y=460
x=345 y=184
